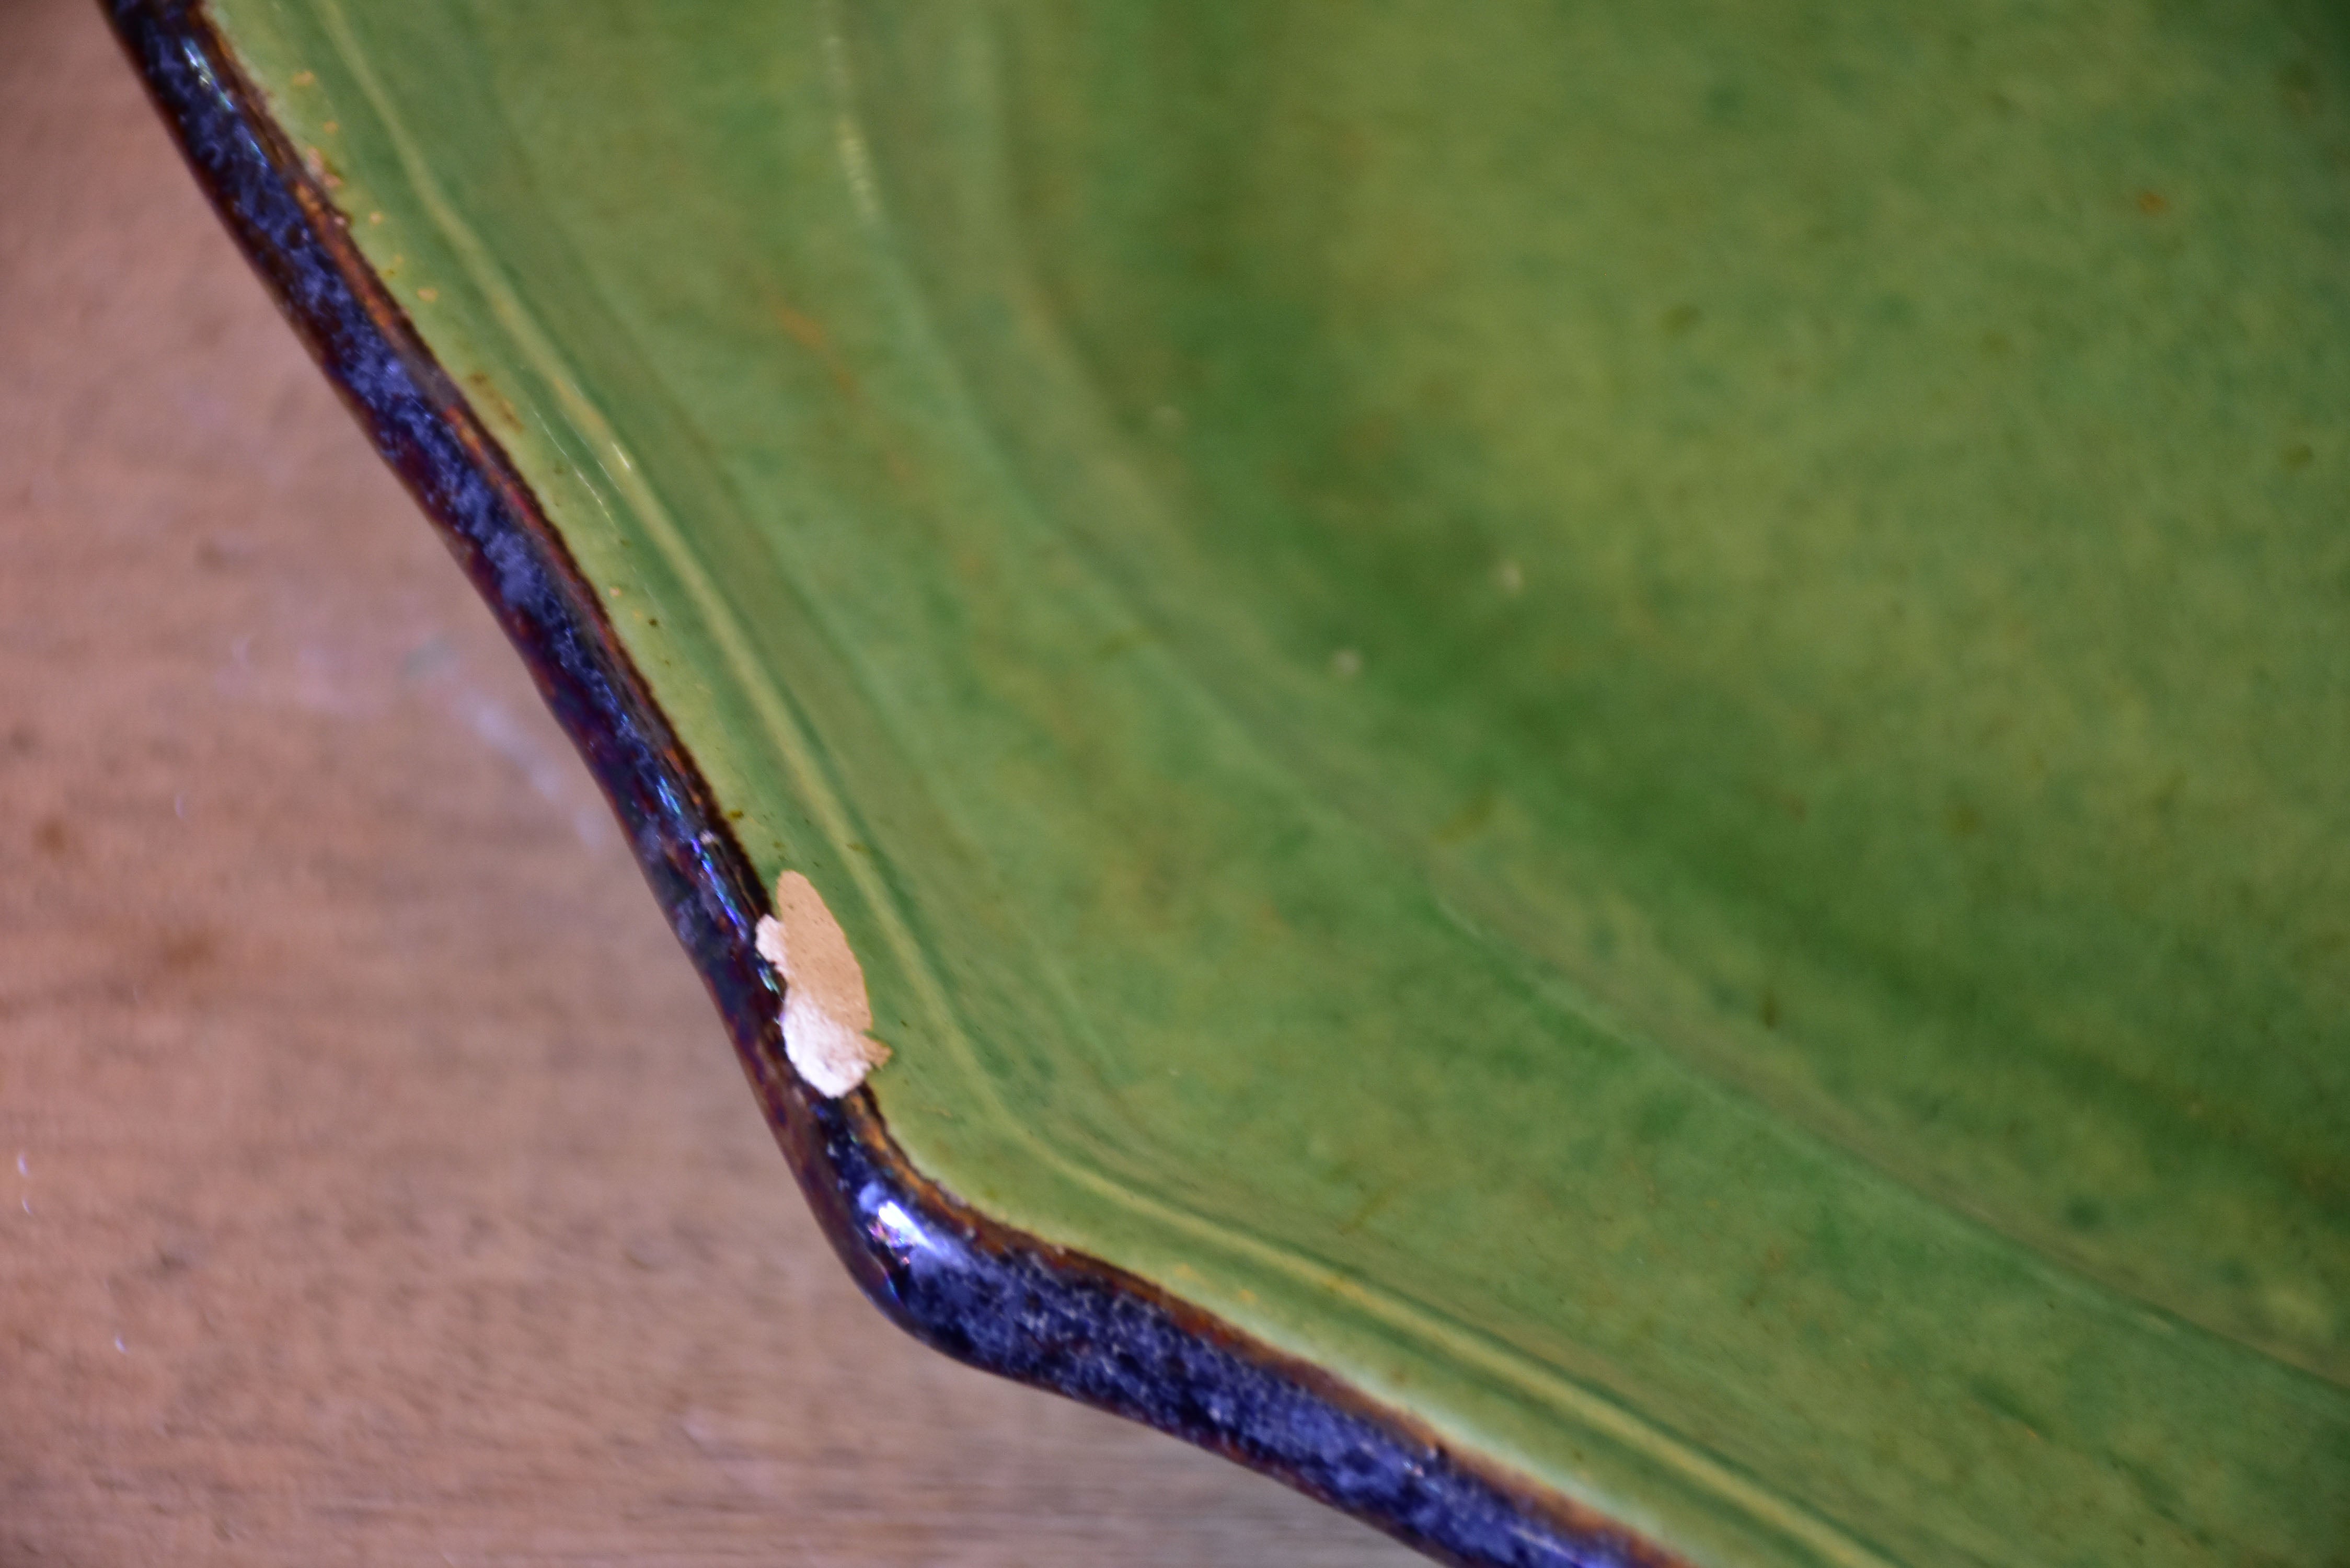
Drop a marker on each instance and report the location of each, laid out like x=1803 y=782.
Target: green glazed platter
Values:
x=1627 y=724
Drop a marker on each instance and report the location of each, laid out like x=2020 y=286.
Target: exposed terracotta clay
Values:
x=827 y=1014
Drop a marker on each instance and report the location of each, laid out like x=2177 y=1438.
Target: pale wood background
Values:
x=376 y=1183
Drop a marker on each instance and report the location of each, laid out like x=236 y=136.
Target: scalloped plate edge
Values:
x=980 y=1292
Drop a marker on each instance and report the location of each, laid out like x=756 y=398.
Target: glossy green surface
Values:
x=1630 y=718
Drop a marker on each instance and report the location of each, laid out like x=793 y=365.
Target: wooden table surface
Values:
x=376 y=1182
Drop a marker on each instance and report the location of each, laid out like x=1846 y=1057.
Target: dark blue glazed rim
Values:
x=979 y=1291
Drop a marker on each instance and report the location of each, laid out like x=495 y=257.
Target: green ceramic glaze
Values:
x=1630 y=718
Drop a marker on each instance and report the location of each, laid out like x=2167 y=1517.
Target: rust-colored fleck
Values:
x=810 y=335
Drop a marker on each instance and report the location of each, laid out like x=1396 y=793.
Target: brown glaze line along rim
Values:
x=979 y=1291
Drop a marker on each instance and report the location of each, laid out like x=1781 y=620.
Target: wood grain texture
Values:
x=375 y=1184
